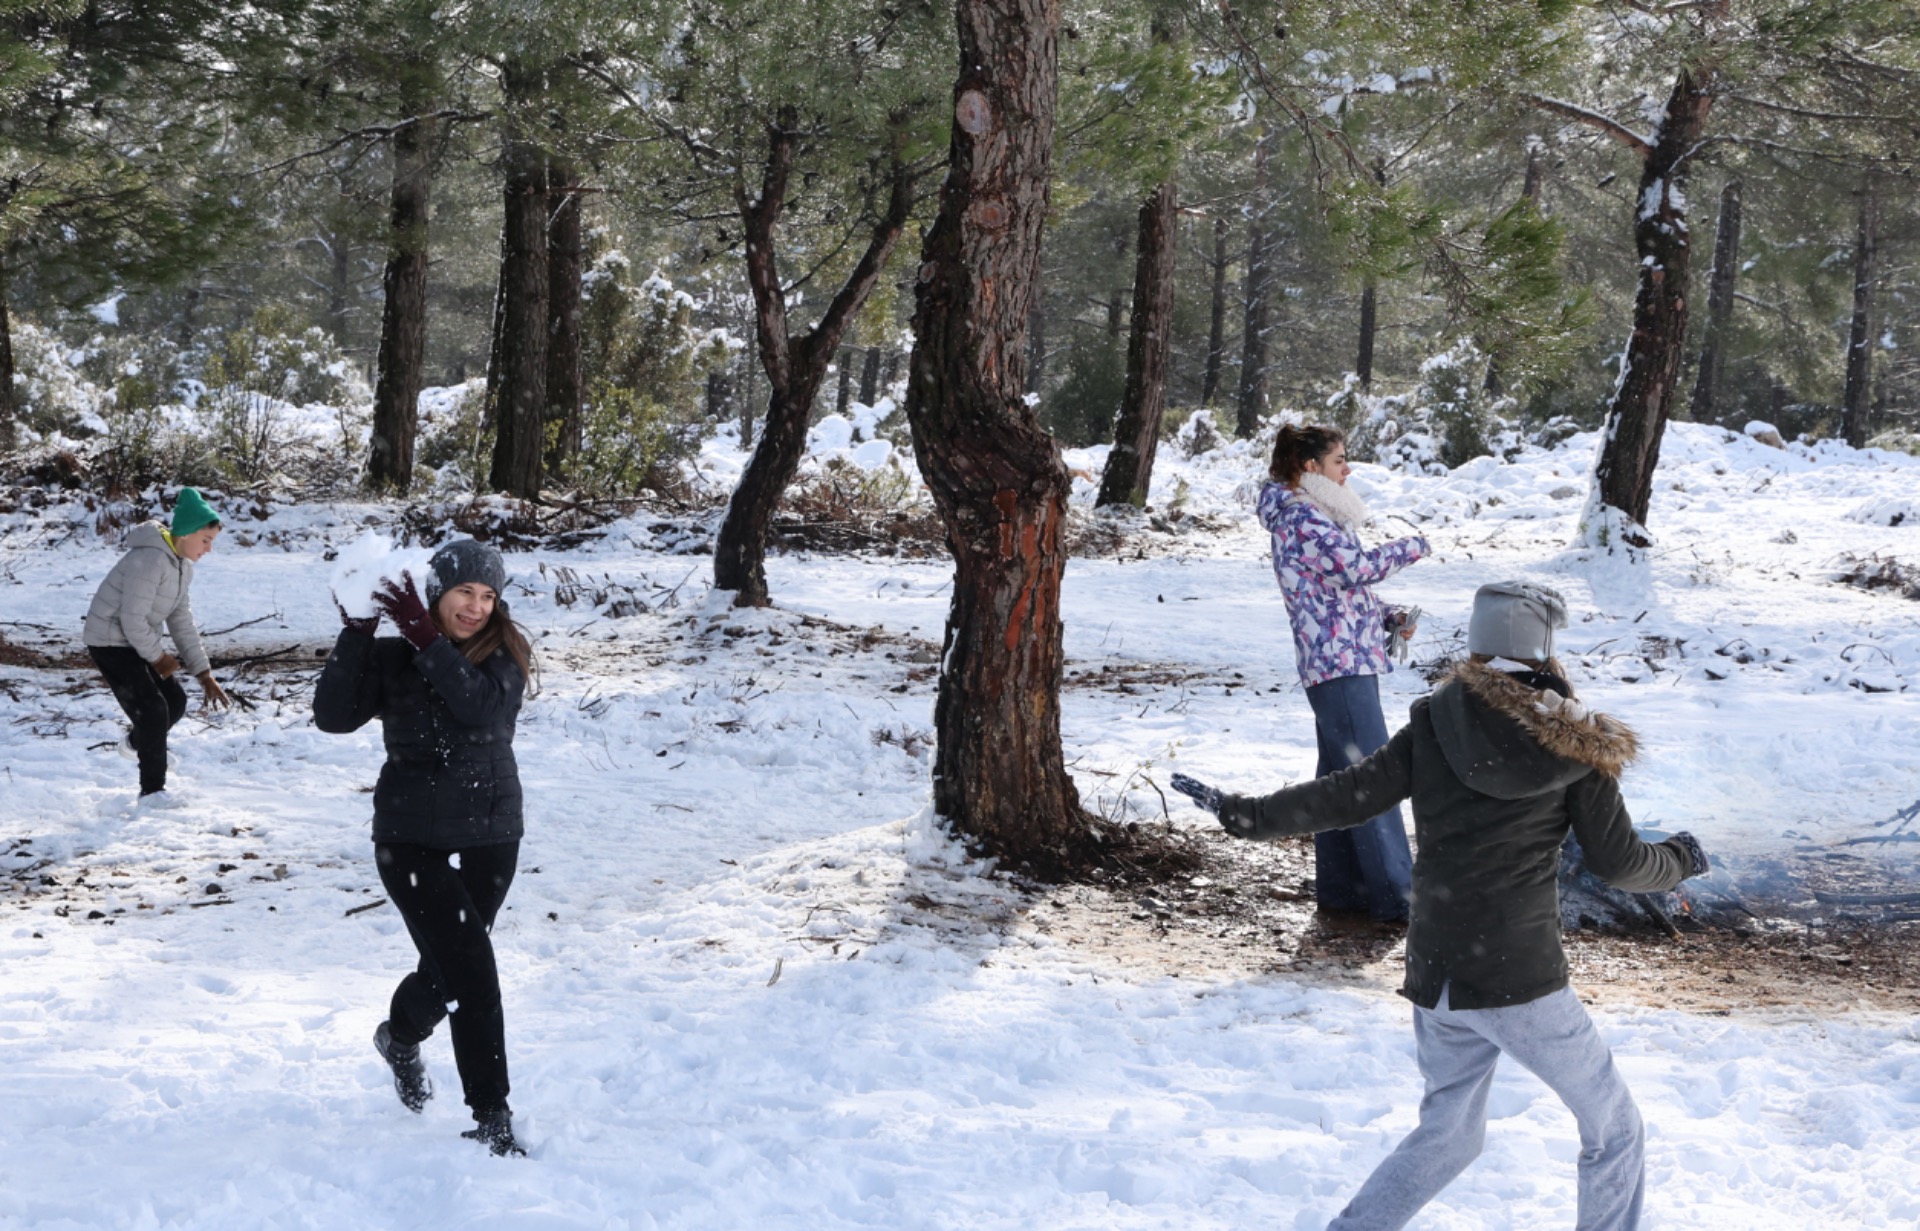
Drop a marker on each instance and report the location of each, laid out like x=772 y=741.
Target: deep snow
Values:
x=748 y=985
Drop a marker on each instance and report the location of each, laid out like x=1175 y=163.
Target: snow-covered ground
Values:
x=747 y=984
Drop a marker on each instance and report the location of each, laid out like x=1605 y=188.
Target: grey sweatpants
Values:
x=1555 y=1039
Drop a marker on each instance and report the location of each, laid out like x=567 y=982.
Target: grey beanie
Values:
x=1515 y=619
x=463 y=561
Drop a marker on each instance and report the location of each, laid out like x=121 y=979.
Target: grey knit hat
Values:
x=1515 y=619
x=463 y=561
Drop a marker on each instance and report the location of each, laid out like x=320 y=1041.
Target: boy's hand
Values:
x=166 y=666
x=1205 y=796
x=210 y=689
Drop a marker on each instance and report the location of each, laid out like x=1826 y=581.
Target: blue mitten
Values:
x=1205 y=796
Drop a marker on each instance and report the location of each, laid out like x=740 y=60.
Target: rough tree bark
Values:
x=1129 y=472
x=795 y=366
x=996 y=477
x=403 y=318
x=521 y=346
x=1630 y=452
x=1217 y=321
x=9 y=407
x=1253 y=358
x=1704 y=406
x=565 y=256
x=1856 y=417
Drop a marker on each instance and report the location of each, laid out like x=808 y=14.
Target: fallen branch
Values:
x=362 y=909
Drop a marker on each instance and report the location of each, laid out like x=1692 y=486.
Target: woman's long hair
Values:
x=499 y=632
x=1294 y=447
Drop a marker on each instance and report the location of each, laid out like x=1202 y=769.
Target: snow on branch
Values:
x=1593 y=119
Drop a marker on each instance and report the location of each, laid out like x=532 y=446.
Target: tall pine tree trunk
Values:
x=9 y=406
x=995 y=475
x=795 y=366
x=1253 y=357
x=1369 y=316
x=1037 y=346
x=521 y=348
x=844 y=394
x=403 y=318
x=1637 y=417
x=1704 y=406
x=565 y=228
x=1856 y=418
x=1129 y=472
x=870 y=377
x=1217 y=319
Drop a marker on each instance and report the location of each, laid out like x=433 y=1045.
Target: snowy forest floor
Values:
x=748 y=983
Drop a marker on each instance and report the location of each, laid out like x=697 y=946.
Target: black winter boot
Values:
x=493 y=1128
x=410 y=1079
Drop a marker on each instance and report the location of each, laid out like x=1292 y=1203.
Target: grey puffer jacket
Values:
x=1499 y=767
x=145 y=591
x=450 y=780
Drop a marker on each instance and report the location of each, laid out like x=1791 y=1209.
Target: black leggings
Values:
x=449 y=912
x=153 y=704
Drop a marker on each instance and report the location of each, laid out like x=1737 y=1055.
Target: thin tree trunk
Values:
x=995 y=475
x=565 y=268
x=749 y=366
x=719 y=392
x=1217 y=321
x=1363 y=362
x=9 y=407
x=1129 y=472
x=1721 y=283
x=844 y=396
x=522 y=345
x=870 y=377
x=1253 y=360
x=1856 y=417
x=1623 y=475
x=403 y=317
x=795 y=366
x=339 y=281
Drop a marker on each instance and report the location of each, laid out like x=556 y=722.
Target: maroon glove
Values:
x=366 y=626
x=401 y=603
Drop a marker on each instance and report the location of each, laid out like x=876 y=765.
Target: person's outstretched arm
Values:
x=1339 y=800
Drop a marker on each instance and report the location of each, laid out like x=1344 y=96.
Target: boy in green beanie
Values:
x=145 y=590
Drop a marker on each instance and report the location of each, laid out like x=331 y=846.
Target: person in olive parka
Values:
x=1500 y=761
x=446 y=809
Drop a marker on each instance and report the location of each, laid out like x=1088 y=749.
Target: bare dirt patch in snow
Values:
x=1250 y=912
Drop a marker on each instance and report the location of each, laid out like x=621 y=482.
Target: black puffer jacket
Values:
x=1499 y=768
x=450 y=780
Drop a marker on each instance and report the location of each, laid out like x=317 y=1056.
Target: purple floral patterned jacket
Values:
x=1339 y=627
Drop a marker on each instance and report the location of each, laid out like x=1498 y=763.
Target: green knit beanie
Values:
x=191 y=512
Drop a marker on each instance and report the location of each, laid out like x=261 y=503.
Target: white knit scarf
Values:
x=1336 y=500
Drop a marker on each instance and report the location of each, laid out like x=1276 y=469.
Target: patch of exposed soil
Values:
x=1249 y=911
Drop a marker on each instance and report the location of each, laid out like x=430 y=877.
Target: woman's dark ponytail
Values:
x=1294 y=447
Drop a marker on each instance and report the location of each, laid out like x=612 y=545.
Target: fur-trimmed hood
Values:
x=1507 y=739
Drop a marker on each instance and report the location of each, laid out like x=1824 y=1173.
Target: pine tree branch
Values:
x=1593 y=119
x=1836 y=116
x=374 y=132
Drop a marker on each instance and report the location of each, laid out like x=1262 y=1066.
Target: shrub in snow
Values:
x=1082 y=410
x=643 y=364
x=1198 y=434
x=1892 y=511
x=1447 y=420
x=270 y=385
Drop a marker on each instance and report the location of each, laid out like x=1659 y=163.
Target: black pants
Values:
x=153 y=705
x=449 y=913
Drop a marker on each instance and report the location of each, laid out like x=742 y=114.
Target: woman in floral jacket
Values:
x=1340 y=632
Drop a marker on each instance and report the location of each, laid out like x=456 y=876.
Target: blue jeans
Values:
x=1554 y=1039
x=1368 y=867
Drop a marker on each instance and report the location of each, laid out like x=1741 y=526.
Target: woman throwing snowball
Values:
x=1340 y=633
x=446 y=810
